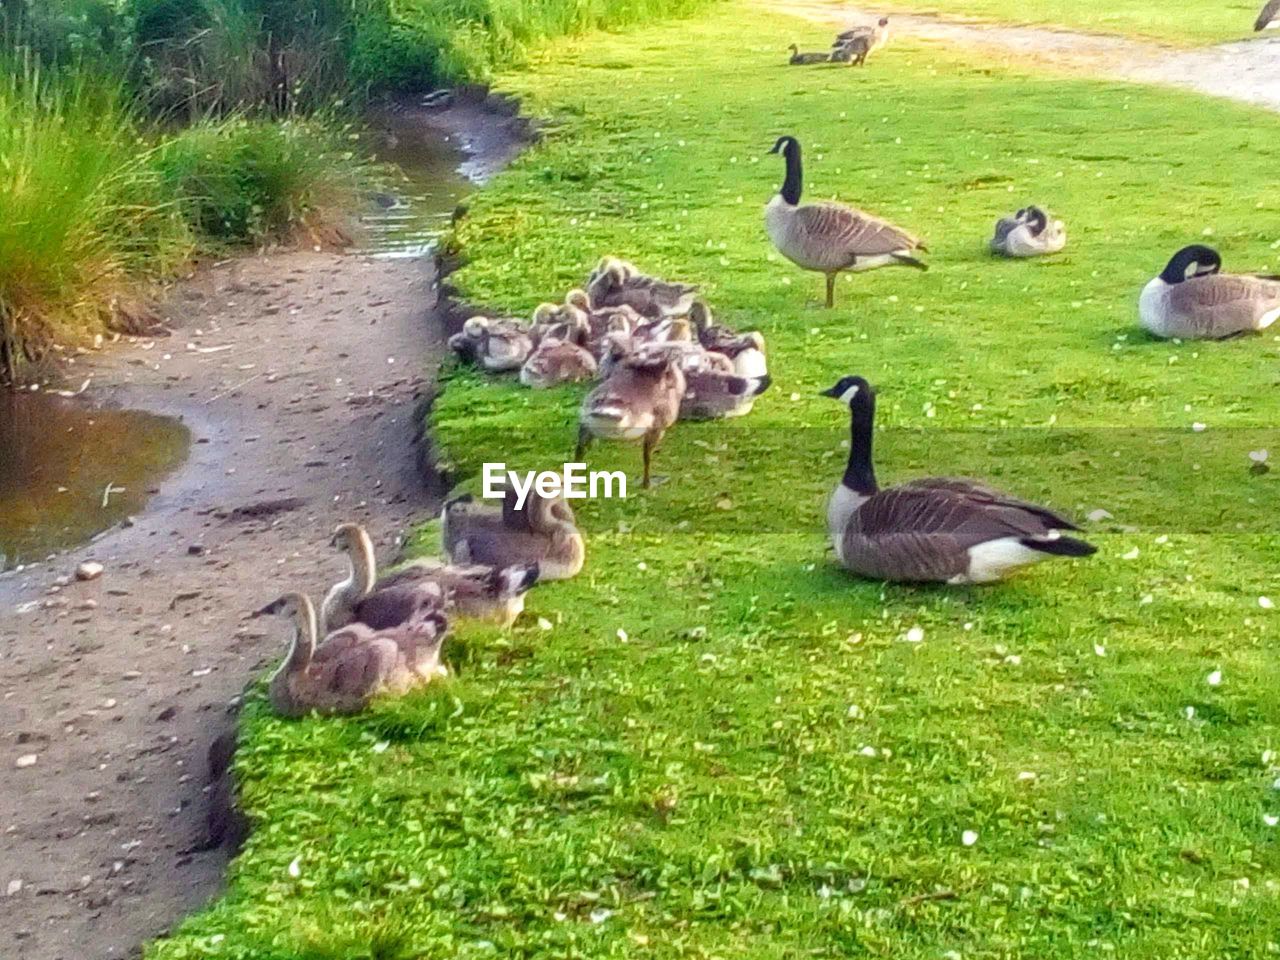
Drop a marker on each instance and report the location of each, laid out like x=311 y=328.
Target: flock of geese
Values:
x=657 y=355
x=851 y=47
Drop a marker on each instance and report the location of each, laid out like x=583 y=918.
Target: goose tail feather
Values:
x=1060 y=546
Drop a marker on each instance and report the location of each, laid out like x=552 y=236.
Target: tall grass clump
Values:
x=242 y=181
x=465 y=39
x=81 y=208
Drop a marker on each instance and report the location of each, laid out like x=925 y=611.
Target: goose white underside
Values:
x=879 y=260
x=1267 y=319
x=617 y=424
x=996 y=559
x=751 y=364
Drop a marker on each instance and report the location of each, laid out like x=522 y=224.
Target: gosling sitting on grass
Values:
x=1028 y=233
x=799 y=59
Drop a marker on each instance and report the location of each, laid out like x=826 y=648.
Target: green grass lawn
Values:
x=715 y=743
x=1180 y=24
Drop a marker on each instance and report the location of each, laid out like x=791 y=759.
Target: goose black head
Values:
x=1037 y=219
x=847 y=389
x=884 y=21
x=786 y=145
x=1197 y=260
x=514 y=580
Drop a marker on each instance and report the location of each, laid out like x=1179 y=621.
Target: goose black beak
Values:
x=272 y=608
x=832 y=392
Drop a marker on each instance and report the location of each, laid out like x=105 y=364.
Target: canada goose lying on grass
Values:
x=617 y=283
x=932 y=529
x=495 y=345
x=474 y=591
x=543 y=532
x=745 y=350
x=554 y=362
x=353 y=665
x=485 y=593
x=1191 y=299
x=716 y=395
x=875 y=36
x=829 y=237
x=799 y=59
x=1029 y=234
x=1269 y=16
x=638 y=400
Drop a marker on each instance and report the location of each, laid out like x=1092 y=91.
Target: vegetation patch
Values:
x=713 y=742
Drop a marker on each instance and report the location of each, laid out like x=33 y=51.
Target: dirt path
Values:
x=118 y=686
x=1248 y=70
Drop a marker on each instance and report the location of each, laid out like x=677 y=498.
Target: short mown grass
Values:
x=1192 y=23
x=714 y=743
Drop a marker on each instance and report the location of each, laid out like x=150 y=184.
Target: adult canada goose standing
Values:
x=638 y=400
x=875 y=36
x=829 y=237
x=1030 y=234
x=799 y=59
x=353 y=665
x=933 y=529
x=1192 y=300
x=1269 y=16
x=853 y=51
x=544 y=532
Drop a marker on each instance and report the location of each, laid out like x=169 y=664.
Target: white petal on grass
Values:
x=1266 y=603
x=1268 y=758
x=1132 y=554
x=1026 y=776
x=1270 y=819
x=868 y=752
x=915 y=635
x=544 y=624
x=969 y=837
x=1189 y=712
x=622 y=635
x=381 y=746
x=600 y=915
x=295 y=867
x=1258 y=456
x=1099 y=650
x=1097 y=516
x=1214 y=678
x=1198 y=427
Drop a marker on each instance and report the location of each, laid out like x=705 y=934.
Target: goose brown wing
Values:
x=1222 y=290
x=858 y=233
x=981 y=494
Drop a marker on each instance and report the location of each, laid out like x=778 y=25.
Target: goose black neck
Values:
x=792 y=185
x=859 y=472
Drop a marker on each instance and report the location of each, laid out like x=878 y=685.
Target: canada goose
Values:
x=338 y=607
x=495 y=345
x=802 y=59
x=875 y=36
x=554 y=362
x=543 y=532
x=1192 y=300
x=617 y=283
x=485 y=593
x=1029 y=234
x=853 y=51
x=932 y=529
x=1268 y=16
x=716 y=395
x=829 y=237
x=473 y=591
x=353 y=665
x=638 y=400
x=746 y=350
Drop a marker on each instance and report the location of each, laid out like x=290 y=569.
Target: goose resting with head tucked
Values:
x=1191 y=300
x=1029 y=233
x=934 y=529
x=828 y=237
x=544 y=532
x=353 y=665
x=616 y=283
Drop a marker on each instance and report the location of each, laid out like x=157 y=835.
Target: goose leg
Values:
x=584 y=439
x=831 y=289
x=650 y=441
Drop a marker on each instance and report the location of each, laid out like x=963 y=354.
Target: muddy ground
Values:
x=118 y=686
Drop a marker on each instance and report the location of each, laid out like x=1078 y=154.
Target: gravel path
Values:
x=299 y=375
x=1248 y=70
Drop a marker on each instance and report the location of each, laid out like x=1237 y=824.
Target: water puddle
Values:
x=410 y=216
x=68 y=470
